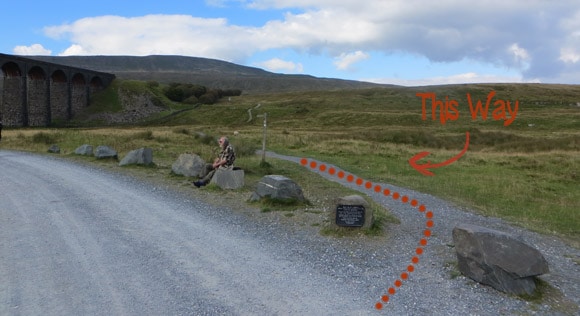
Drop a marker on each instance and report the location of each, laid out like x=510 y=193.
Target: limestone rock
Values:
x=497 y=259
x=277 y=187
x=54 y=149
x=189 y=165
x=103 y=152
x=228 y=179
x=84 y=150
x=141 y=156
x=351 y=200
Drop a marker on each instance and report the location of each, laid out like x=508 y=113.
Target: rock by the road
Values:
x=54 y=149
x=104 y=152
x=189 y=165
x=228 y=179
x=497 y=259
x=352 y=200
x=141 y=156
x=277 y=187
x=84 y=150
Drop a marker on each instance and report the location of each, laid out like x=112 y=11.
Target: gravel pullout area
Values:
x=431 y=288
x=78 y=239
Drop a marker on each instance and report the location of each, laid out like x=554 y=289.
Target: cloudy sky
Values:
x=406 y=42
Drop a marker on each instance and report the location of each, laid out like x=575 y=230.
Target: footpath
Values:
x=563 y=260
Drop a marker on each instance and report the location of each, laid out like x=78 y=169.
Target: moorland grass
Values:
x=527 y=172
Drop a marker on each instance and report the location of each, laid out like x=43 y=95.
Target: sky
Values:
x=403 y=42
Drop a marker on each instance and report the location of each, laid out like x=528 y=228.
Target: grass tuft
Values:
x=44 y=138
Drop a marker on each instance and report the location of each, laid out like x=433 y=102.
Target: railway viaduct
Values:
x=38 y=93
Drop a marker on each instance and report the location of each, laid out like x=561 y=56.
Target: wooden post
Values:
x=264 y=139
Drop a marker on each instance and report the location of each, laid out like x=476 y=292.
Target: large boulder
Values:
x=104 y=152
x=498 y=259
x=84 y=150
x=228 y=179
x=278 y=188
x=189 y=165
x=141 y=156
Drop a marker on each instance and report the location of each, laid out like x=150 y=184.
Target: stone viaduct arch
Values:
x=38 y=93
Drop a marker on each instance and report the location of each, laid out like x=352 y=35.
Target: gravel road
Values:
x=79 y=240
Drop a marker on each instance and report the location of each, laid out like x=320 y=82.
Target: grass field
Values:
x=526 y=172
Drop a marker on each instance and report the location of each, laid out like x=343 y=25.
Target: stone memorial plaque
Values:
x=350 y=215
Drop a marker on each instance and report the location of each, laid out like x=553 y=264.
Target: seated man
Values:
x=225 y=160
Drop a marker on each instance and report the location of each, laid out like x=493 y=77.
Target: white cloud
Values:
x=541 y=37
x=469 y=77
x=520 y=55
x=345 y=61
x=74 y=50
x=570 y=50
x=277 y=65
x=34 y=49
x=154 y=35
x=569 y=55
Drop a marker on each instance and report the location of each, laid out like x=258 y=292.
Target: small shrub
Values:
x=208 y=98
x=147 y=135
x=183 y=131
x=43 y=138
x=152 y=84
x=265 y=165
x=205 y=139
x=244 y=148
x=174 y=93
x=191 y=100
x=290 y=202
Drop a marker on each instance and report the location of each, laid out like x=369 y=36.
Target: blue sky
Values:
x=406 y=42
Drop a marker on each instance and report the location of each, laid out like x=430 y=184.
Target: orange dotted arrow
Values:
x=426 y=233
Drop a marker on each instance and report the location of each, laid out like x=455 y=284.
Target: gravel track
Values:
x=79 y=240
x=430 y=289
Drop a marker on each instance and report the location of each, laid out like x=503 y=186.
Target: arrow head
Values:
x=424 y=168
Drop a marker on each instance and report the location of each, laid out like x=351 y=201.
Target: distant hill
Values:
x=204 y=71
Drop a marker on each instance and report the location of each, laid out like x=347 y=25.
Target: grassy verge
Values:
x=527 y=172
x=169 y=142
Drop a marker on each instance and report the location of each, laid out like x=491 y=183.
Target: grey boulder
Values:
x=84 y=150
x=228 y=179
x=141 y=156
x=277 y=187
x=54 y=149
x=104 y=152
x=189 y=165
x=498 y=259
